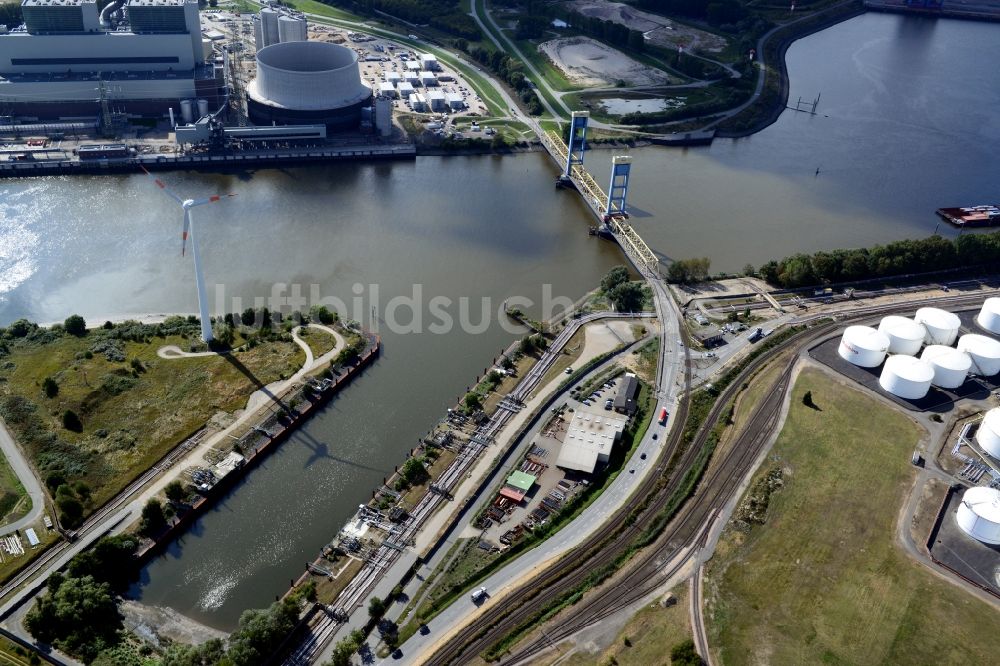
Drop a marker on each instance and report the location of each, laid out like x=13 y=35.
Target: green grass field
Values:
x=320 y=342
x=824 y=581
x=14 y=501
x=132 y=409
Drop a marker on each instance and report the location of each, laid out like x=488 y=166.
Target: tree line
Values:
x=924 y=255
x=507 y=68
x=445 y=15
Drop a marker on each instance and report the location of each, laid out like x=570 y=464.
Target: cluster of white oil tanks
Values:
x=979 y=514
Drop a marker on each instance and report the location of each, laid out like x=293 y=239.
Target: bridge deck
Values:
x=633 y=244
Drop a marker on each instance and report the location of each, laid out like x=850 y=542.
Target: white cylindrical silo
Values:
x=984 y=352
x=942 y=326
x=907 y=377
x=988 y=435
x=863 y=346
x=951 y=366
x=292 y=29
x=905 y=335
x=269 y=25
x=989 y=316
x=187 y=111
x=979 y=514
x=202 y=108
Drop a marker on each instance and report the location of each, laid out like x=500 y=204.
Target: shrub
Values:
x=153 y=520
x=71 y=421
x=75 y=325
x=50 y=387
x=175 y=491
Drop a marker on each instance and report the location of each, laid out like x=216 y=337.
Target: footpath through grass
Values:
x=823 y=580
x=92 y=412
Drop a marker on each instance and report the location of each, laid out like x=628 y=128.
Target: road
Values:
x=420 y=647
x=503 y=425
x=26 y=475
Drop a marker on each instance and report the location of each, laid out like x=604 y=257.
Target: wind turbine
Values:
x=199 y=277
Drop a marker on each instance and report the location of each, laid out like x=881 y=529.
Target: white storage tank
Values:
x=989 y=316
x=905 y=335
x=951 y=366
x=187 y=111
x=979 y=514
x=984 y=352
x=907 y=377
x=202 y=108
x=863 y=346
x=292 y=29
x=942 y=326
x=988 y=435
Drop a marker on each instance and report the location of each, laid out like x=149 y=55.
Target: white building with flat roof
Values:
x=437 y=100
x=405 y=89
x=418 y=102
x=589 y=439
x=455 y=101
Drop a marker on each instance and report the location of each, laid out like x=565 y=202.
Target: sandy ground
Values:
x=587 y=62
x=155 y=623
x=657 y=30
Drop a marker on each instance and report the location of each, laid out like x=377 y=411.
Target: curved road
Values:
x=26 y=475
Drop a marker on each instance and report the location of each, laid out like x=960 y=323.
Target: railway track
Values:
x=686 y=528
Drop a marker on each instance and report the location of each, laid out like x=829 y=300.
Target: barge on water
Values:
x=972 y=216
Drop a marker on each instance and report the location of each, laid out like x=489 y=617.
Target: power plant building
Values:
x=141 y=56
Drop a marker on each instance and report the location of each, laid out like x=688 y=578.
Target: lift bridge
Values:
x=609 y=208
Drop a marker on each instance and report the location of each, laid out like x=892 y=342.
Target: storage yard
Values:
x=590 y=63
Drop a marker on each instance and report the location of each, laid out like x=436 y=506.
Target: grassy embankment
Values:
x=824 y=581
x=320 y=342
x=646 y=639
x=130 y=406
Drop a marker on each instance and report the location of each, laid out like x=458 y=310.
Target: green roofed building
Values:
x=517 y=486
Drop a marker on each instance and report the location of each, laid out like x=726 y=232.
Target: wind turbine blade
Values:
x=211 y=199
x=160 y=184
x=187 y=226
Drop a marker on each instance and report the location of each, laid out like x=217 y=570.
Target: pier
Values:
x=209 y=160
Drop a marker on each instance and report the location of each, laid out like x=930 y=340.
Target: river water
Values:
x=908 y=121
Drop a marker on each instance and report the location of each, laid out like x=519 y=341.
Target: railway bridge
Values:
x=610 y=207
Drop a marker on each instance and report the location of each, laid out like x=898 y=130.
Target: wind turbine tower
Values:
x=188 y=230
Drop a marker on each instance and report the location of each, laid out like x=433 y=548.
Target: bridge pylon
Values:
x=577 y=141
x=621 y=166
